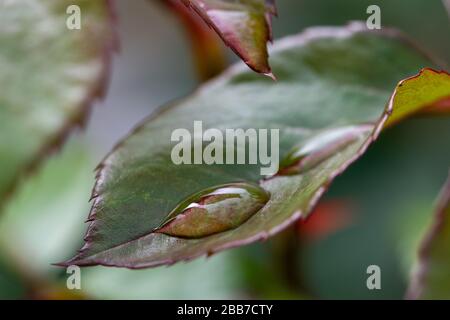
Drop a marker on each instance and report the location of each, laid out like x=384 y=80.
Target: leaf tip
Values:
x=271 y=75
x=63 y=264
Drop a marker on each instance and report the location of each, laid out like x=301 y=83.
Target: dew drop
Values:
x=319 y=148
x=214 y=210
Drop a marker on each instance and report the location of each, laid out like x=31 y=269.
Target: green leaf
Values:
x=333 y=97
x=244 y=25
x=46 y=213
x=218 y=278
x=49 y=76
x=431 y=276
x=41 y=221
x=11 y=285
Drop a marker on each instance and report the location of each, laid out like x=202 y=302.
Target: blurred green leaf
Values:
x=297 y=15
x=49 y=76
x=43 y=218
x=410 y=226
x=391 y=189
x=218 y=277
x=11 y=284
x=244 y=25
x=329 y=92
x=431 y=279
x=41 y=221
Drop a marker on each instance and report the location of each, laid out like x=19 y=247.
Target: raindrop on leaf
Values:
x=319 y=148
x=214 y=210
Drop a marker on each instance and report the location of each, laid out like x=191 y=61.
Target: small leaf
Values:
x=244 y=25
x=431 y=279
x=329 y=105
x=49 y=76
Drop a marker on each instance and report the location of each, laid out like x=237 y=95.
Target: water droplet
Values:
x=319 y=148
x=214 y=210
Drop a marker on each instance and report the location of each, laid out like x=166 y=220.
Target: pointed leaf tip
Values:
x=245 y=26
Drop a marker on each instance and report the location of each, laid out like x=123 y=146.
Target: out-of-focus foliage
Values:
x=431 y=279
x=11 y=284
x=49 y=76
x=407 y=16
x=402 y=180
x=62 y=180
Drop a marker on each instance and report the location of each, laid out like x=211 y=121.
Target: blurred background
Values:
x=375 y=213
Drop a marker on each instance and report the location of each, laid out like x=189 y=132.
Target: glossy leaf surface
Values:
x=337 y=91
